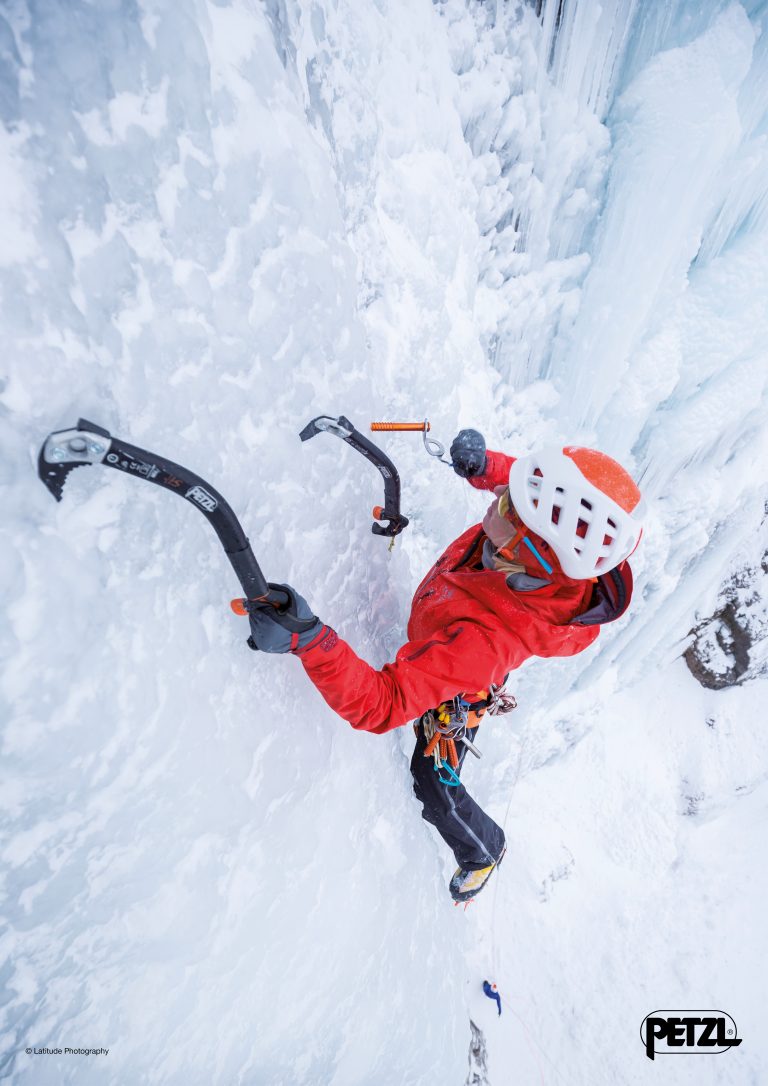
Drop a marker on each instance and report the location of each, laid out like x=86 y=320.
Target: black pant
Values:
x=475 y=838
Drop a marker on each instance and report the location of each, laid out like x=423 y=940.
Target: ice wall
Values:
x=218 y=221
x=625 y=229
x=583 y=47
x=203 y=869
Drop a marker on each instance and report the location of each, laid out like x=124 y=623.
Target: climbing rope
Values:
x=533 y=1045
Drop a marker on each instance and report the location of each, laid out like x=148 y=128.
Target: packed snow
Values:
x=219 y=220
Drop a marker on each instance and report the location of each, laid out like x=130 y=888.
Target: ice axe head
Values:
x=64 y=450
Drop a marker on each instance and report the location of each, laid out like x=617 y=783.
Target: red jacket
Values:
x=467 y=629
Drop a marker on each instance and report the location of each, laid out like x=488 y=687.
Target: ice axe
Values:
x=88 y=444
x=390 y=510
x=343 y=428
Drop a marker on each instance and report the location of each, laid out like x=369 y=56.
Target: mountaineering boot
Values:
x=467 y=884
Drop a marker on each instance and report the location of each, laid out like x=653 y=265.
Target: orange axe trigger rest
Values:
x=240 y=606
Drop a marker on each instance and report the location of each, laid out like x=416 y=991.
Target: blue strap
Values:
x=536 y=554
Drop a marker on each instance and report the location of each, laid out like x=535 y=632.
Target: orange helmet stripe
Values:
x=607 y=475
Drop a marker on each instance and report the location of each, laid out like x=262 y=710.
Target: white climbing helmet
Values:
x=583 y=503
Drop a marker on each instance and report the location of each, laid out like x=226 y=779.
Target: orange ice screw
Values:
x=433 y=447
x=430 y=747
x=419 y=427
x=453 y=757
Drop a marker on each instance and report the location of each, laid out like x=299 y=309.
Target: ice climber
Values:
x=539 y=577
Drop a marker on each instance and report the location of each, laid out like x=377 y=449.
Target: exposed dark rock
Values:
x=723 y=650
x=478 y=1058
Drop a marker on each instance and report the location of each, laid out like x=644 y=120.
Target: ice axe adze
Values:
x=344 y=429
x=87 y=443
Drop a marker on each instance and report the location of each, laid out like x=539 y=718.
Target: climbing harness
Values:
x=449 y=724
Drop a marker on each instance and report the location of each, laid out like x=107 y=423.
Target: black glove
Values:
x=468 y=453
x=292 y=626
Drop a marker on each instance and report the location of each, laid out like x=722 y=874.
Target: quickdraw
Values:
x=448 y=725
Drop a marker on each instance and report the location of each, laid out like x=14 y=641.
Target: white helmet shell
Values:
x=583 y=503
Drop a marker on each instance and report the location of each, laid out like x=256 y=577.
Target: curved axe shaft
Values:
x=87 y=443
x=344 y=429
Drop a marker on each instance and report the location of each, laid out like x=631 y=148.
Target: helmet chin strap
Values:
x=505 y=511
x=545 y=565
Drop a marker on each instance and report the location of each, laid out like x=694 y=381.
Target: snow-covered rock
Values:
x=729 y=647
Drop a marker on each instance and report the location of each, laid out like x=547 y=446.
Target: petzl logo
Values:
x=203 y=498
x=672 y=1032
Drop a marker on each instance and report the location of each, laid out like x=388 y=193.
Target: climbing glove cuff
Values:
x=290 y=628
